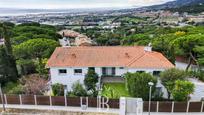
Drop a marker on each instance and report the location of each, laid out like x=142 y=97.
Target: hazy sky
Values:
x=49 y=4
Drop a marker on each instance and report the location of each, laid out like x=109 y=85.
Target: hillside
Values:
x=179 y=4
x=190 y=9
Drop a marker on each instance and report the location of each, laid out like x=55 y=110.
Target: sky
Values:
x=67 y=4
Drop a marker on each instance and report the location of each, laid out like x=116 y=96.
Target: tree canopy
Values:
x=191 y=46
x=27 y=31
x=169 y=77
x=137 y=84
x=35 y=51
x=35 y=48
x=182 y=90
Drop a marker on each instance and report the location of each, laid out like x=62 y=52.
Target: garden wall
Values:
x=92 y=102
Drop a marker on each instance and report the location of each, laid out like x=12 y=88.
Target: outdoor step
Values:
x=113 y=80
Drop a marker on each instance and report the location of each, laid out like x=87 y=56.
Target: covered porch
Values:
x=110 y=75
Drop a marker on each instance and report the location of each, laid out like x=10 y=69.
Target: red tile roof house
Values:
x=70 y=64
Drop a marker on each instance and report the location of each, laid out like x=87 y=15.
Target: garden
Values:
x=136 y=85
x=115 y=90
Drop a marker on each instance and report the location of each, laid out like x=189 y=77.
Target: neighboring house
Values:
x=72 y=38
x=69 y=33
x=83 y=40
x=70 y=64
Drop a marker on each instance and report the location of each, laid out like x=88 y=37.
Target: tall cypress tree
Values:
x=11 y=68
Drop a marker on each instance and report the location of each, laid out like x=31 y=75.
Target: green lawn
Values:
x=115 y=90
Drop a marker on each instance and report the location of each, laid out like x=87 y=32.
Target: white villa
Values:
x=70 y=64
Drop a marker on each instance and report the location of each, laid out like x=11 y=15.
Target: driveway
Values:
x=199 y=89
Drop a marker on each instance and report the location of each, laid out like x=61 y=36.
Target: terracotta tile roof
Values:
x=108 y=56
x=83 y=41
x=80 y=39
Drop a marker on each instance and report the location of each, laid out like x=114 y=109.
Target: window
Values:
x=62 y=71
x=91 y=69
x=156 y=73
x=108 y=70
x=78 y=71
x=141 y=71
x=113 y=70
x=103 y=70
x=121 y=67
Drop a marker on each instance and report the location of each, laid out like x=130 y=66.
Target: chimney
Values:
x=148 y=48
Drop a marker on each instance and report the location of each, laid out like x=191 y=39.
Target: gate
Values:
x=131 y=106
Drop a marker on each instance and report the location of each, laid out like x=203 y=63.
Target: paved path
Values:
x=62 y=108
x=78 y=109
x=199 y=90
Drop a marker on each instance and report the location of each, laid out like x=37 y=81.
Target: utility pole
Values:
x=2 y=99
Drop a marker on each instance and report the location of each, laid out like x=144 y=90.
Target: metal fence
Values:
x=92 y=102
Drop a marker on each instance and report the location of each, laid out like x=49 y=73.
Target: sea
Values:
x=18 y=12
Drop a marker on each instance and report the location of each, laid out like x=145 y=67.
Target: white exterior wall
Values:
x=98 y=71
x=70 y=78
x=132 y=70
x=119 y=71
x=67 y=79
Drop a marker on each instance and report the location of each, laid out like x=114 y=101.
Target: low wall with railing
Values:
x=92 y=102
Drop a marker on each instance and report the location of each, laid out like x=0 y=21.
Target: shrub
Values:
x=58 y=89
x=137 y=84
x=77 y=90
x=40 y=67
x=8 y=86
x=169 y=77
x=34 y=84
x=158 y=96
x=30 y=84
x=91 y=78
x=197 y=74
x=17 y=90
x=13 y=88
x=182 y=90
x=200 y=75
